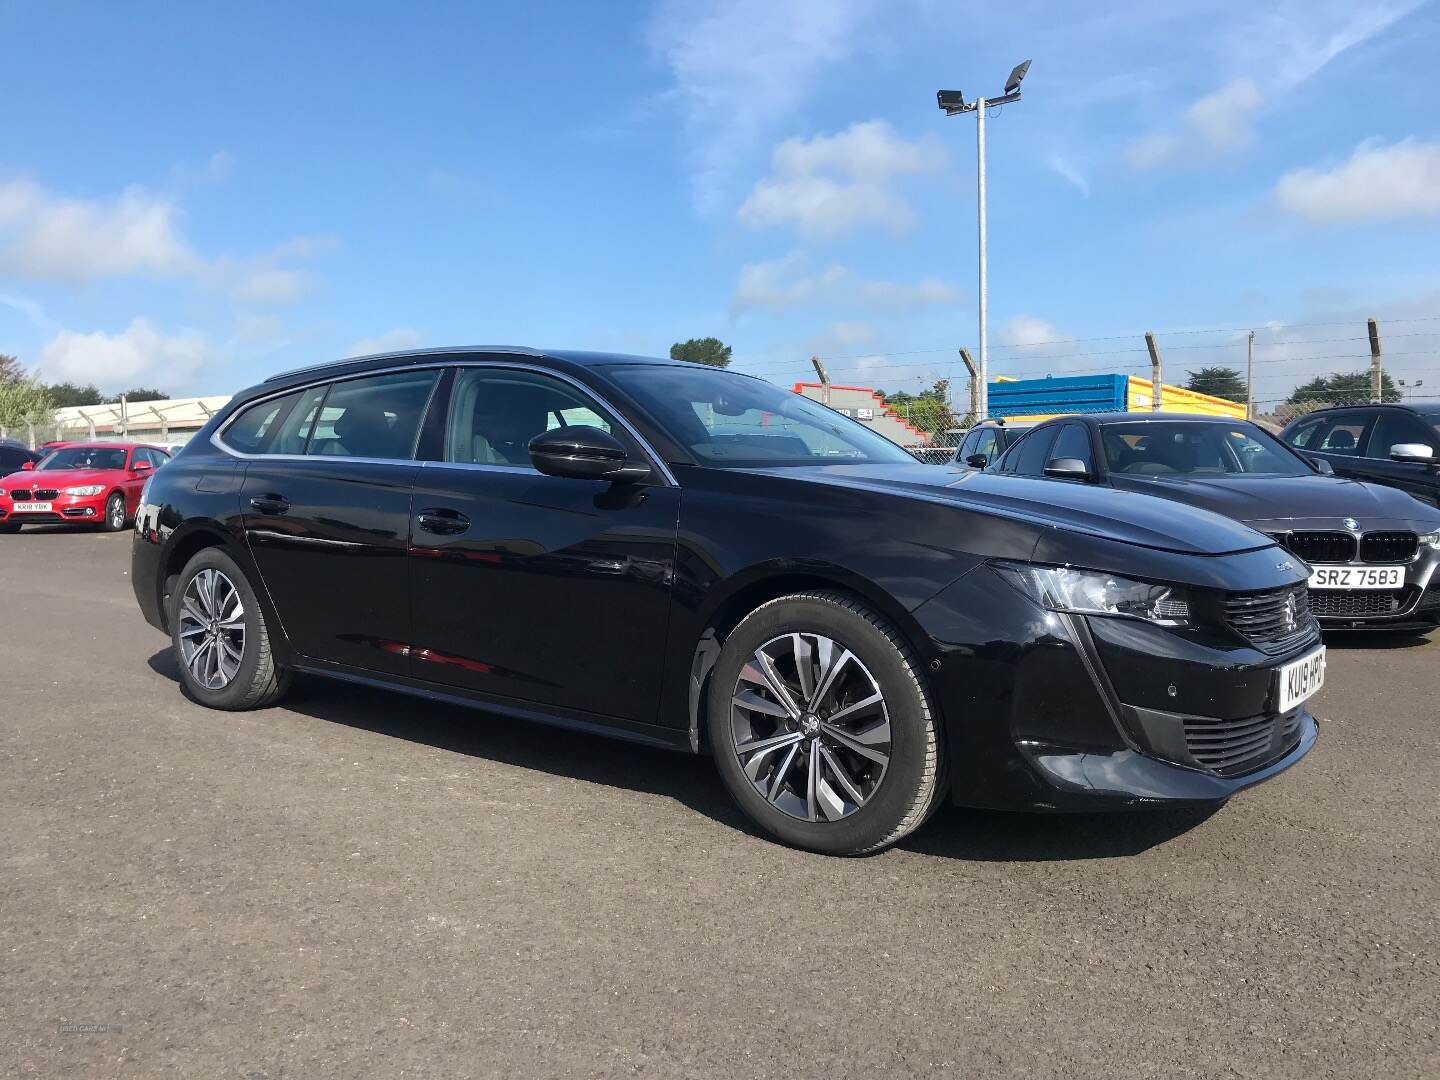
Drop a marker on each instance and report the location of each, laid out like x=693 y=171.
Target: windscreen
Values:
x=1196 y=448
x=84 y=457
x=732 y=421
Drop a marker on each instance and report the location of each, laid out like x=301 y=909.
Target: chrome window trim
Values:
x=656 y=462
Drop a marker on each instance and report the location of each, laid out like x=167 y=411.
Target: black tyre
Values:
x=821 y=727
x=222 y=644
x=114 y=513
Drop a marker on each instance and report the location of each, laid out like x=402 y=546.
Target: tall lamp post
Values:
x=952 y=102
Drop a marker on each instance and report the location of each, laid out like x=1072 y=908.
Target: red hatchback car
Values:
x=80 y=484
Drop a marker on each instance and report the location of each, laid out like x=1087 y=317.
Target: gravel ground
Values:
x=361 y=885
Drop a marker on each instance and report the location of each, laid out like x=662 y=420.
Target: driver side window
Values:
x=494 y=413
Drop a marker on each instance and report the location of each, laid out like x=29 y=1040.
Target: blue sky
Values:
x=197 y=197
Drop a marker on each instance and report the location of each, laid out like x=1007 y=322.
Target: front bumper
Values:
x=1065 y=713
x=67 y=510
x=1414 y=607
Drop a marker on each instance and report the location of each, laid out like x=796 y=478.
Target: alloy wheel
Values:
x=810 y=727
x=212 y=629
x=117 y=514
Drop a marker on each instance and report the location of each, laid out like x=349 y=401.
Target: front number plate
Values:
x=33 y=508
x=1357 y=577
x=1301 y=678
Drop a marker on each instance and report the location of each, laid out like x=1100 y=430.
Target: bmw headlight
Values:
x=1433 y=539
x=88 y=489
x=1086 y=592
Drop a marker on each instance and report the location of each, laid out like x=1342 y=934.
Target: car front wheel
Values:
x=114 y=513
x=221 y=640
x=821 y=727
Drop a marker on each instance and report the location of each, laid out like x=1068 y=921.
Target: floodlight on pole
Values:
x=952 y=102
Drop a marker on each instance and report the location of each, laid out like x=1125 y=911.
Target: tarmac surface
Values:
x=357 y=884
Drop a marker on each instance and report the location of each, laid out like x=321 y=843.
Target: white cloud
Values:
x=402 y=337
x=1067 y=171
x=50 y=237
x=1218 y=123
x=825 y=186
x=1025 y=331
x=785 y=284
x=1377 y=182
x=741 y=67
x=53 y=238
x=140 y=352
x=1297 y=39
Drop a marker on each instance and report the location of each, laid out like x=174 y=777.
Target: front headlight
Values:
x=88 y=489
x=1433 y=539
x=1086 y=592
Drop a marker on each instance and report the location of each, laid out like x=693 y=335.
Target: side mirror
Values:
x=977 y=461
x=584 y=453
x=1412 y=452
x=1321 y=466
x=1067 y=468
x=141 y=466
x=28 y=465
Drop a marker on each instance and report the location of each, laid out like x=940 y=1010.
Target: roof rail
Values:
x=518 y=350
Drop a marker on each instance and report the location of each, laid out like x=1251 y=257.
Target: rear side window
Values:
x=1344 y=435
x=378 y=417
x=294 y=433
x=251 y=431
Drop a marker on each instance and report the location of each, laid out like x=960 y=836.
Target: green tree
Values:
x=928 y=410
x=24 y=400
x=1352 y=388
x=67 y=394
x=1222 y=382
x=141 y=393
x=10 y=368
x=709 y=351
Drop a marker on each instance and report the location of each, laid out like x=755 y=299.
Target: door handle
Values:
x=270 y=504
x=442 y=521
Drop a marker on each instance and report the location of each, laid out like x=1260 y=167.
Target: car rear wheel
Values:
x=221 y=639
x=821 y=727
x=114 y=513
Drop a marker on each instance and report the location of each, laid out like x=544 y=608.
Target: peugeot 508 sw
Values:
x=695 y=558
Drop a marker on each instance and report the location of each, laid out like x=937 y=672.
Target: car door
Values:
x=326 y=506
x=1341 y=439
x=546 y=589
x=1391 y=428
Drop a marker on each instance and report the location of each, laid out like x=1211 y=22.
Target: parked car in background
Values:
x=1398 y=445
x=985 y=442
x=79 y=484
x=1374 y=552
x=855 y=636
x=14 y=455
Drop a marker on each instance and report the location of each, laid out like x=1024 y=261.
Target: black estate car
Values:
x=1398 y=445
x=697 y=559
x=1374 y=552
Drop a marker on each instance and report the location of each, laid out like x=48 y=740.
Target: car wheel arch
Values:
x=185 y=543
x=754 y=588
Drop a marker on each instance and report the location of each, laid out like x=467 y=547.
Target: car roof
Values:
x=1424 y=408
x=109 y=446
x=573 y=356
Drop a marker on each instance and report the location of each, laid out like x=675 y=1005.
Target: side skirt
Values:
x=612 y=727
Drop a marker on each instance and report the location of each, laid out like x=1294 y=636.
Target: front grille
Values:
x=1388 y=547
x=1320 y=547
x=1431 y=600
x=47 y=494
x=1273 y=620
x=20 y=495
x=1353 y=604
x=1236 y=746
